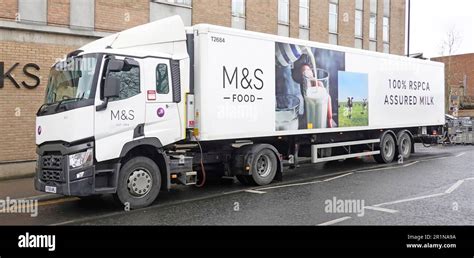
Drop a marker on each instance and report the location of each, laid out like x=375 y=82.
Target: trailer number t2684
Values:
x=218 y=39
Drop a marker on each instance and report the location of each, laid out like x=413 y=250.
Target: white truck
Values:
x=160 y=104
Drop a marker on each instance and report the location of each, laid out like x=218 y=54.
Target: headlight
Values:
x=81 y=159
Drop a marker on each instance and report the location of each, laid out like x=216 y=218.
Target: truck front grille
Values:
x=52 y=175
x=52 y=161
x=52 y=167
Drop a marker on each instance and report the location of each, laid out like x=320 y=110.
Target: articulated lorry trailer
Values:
x=161 y=104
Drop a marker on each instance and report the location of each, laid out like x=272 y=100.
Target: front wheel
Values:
x=139 y=183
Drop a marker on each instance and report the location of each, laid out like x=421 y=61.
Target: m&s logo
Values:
x=28 y=71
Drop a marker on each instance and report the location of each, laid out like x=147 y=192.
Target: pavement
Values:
x=434 y=187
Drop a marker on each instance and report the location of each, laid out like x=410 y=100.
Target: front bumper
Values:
x=54 y=175
x=81 y=187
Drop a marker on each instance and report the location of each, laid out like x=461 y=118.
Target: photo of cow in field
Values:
x=350 y=104
x=353 y=99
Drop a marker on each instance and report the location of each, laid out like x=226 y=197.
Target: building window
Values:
x=304 y=13
x=283 y=11
x=238 y=8
x=238 y=14
x=373 y=25
x=160 y=9
x=333 y=39
x=284 y=18
x=386 y=26
x=359 y=18
x=333 y=19
x=386 y=48
x=358 y=43
x=304 y=19
x=32 y=11
x=373 y=45
x=162 y=79
x=81 y=13
x=333 y=12
x=386 y=8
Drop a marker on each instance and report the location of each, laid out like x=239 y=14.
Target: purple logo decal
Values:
x=39 y=130
x=160 y=112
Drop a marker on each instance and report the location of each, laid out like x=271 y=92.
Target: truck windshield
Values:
x=71 y=80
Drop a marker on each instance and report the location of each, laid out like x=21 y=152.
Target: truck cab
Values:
x=116 y=96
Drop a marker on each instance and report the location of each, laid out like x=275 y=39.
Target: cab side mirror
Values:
x=115 y=65
x=112 y=87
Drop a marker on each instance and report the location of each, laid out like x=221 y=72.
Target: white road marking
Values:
x=468 y=179
x=289 y=185
x=332 y=178
x=460 y=154
x=255 y=191
x=409 y=199
x=387 y=168
x=332 y=222
x=454 y=187
x=380 y=209
x=410 y=164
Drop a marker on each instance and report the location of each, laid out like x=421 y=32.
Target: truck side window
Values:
x=129 y=83
x=162 y=81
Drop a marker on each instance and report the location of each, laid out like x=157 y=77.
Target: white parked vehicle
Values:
x=160 y=104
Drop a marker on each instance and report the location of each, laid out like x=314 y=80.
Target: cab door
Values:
x=121 y=120
x=162 y=120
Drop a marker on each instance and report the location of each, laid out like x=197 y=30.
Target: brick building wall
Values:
x=117 y=15
x=18 y=106
x=346 y=23
x=455 y=68
x=8 y=9
x=397 y=27
x=58 y=12
x=262 y=16
x=294 y=19
x=319 y=21
x=217 y=12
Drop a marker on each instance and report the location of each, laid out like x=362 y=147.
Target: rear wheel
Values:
x=263 y=168
x=405 y=145
x=387 y=149
x=139 y=183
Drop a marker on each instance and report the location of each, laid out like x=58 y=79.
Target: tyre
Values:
x=264 y=167
x=387 y=149
x=404 y=145
x=139 y=183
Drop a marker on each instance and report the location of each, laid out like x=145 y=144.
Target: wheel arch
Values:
x=150 y=148
x=251 y=150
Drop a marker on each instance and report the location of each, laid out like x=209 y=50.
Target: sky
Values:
x=432 y=19
x=353 y=85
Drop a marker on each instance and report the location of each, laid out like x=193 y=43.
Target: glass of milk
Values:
x=287 y=112
x=317 y=99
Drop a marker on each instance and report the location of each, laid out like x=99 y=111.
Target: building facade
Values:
x=36 y=33
x=459 y=83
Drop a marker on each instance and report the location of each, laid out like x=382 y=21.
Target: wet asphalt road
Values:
x=434 y=187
